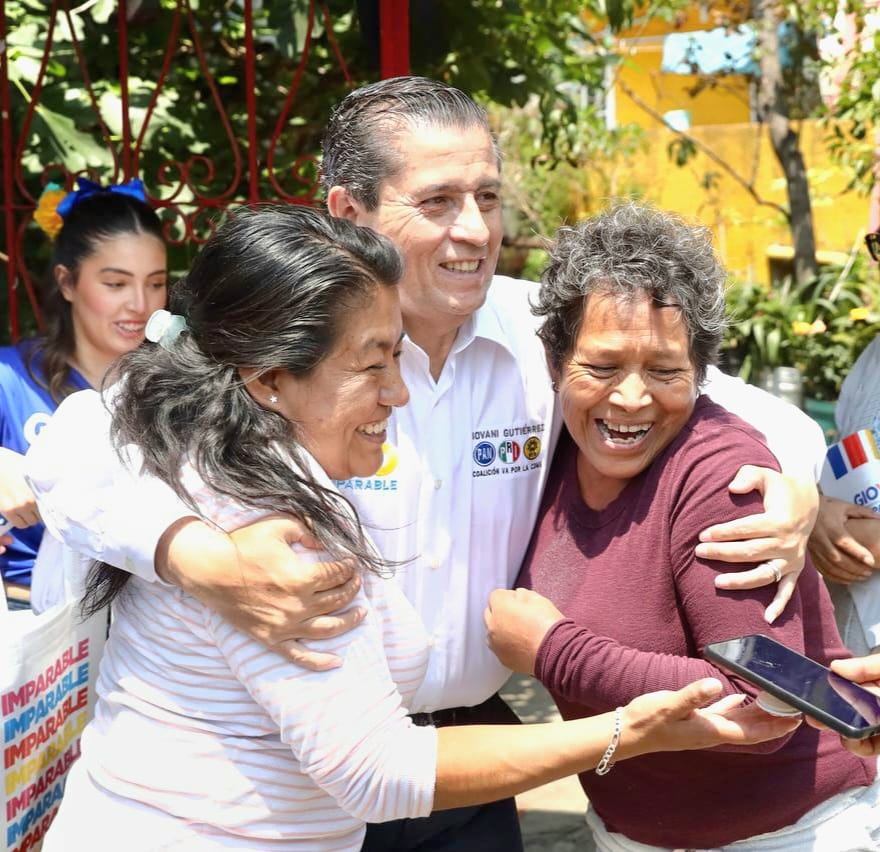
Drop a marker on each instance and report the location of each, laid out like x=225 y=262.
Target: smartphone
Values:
x=844 y=706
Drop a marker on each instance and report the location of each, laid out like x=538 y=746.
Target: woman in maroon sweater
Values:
x=634 y=311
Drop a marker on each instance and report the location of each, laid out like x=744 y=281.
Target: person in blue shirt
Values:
x=108 y=274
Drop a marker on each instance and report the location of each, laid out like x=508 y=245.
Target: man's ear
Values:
x=342 y=205
x=262 y=386
x=64 y=280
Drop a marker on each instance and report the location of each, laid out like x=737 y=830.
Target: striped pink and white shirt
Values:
x=203 y=734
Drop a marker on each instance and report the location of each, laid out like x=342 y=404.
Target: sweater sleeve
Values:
x=374 y=762
x=601 y=673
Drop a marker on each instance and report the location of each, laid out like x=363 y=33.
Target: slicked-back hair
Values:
x=272 y=288
x=628 y=251
x=359 y=150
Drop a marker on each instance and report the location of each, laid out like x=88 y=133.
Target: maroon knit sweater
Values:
x=640 y=606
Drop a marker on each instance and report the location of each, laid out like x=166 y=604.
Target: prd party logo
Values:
x=484 y=453
x=508 y=451
x=532 y=448
x=389 y=459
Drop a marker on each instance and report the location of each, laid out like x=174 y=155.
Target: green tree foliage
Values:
x=853 y=116
x=501 y=51
x=504 y=52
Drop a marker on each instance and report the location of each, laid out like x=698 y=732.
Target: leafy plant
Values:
x=820 y=327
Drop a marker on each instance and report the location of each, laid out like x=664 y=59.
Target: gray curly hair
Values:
x=629 y=250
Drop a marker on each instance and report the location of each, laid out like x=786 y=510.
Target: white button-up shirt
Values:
x=457 y=496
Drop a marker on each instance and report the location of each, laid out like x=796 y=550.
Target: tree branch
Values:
x=705 y=149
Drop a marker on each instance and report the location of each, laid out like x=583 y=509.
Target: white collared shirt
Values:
x=458 y=494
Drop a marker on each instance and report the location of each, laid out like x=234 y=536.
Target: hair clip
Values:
x=133 y=188
x=164 y=328
x=46 y=215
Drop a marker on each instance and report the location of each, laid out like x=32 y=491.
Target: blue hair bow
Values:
x=87 y=188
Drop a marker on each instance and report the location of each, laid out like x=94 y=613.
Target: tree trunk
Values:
x=773 y=111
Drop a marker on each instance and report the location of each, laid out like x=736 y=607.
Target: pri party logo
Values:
x=508 y=451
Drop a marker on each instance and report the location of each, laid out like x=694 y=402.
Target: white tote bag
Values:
x=48 y=668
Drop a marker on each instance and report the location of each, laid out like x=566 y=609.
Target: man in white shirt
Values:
x=457 y=496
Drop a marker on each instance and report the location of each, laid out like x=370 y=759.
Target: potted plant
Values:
x=820 y=328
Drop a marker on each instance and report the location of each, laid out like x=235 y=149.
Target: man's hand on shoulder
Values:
x=776 y=538
x=256 y=581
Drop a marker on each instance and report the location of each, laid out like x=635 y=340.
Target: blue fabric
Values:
x=133 y=187
x=25 y=407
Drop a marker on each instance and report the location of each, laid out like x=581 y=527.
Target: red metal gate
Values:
x=188 y=189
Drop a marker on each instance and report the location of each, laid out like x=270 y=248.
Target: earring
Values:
x=273 y=399
x=555 y=387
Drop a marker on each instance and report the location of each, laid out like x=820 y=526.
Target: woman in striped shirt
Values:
x=280 y=380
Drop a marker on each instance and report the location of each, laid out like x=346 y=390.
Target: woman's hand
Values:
x=517 y=622
x=866 y=671
x=678 y=721
x=836 y=552
x=17 y=503
x=777 y=538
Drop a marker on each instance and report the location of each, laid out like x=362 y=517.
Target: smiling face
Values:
x=116 y=289
x=341 y=408
x=627 y=389
x=442 y=209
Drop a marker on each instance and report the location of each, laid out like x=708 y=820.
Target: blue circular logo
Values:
x=484 y=453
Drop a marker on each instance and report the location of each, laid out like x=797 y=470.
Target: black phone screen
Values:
x=801 y=682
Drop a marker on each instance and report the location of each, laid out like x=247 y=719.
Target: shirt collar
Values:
x=485 y=323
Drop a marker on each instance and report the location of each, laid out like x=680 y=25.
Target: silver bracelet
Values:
x=606 y=762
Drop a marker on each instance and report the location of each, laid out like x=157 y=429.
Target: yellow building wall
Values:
x=725 y=100
x=720 y=119
x=745 y=229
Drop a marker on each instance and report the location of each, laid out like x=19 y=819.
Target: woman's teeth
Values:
x=623 y=433
x=374 y=428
